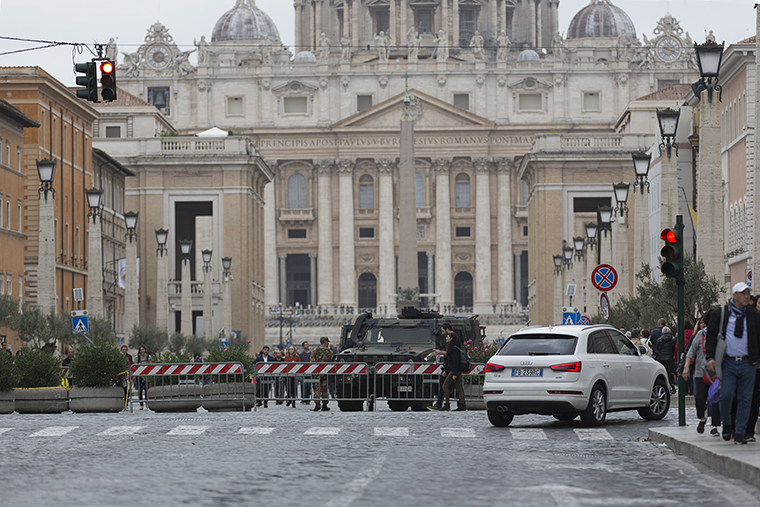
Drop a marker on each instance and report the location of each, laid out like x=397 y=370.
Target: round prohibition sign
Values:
x=604 y=277
x=604 y=307
x=584 y=321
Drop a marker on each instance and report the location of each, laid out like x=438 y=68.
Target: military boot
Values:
x=325 y=408
x=316 y=407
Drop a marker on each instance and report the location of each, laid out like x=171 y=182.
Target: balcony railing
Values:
x=296 y=215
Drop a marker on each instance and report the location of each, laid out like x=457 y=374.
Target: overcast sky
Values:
x=88 y=21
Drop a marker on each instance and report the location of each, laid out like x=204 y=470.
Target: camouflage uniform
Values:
x=322 y=354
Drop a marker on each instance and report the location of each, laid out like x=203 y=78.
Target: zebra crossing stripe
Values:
x=391 y=432
x=188 y=430
x=255 y=431
x=54 y=431
x=322 y=431
x=121 y=430
x=593 y=434
x=527 y=434
x=457 y=432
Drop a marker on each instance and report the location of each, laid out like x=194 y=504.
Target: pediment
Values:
x=294 y=88
x=530 y=84
x=434 y=114
x=378 y=3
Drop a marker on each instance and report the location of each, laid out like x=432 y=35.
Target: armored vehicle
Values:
x=413 y=338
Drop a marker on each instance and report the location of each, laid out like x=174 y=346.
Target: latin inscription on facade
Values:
x=350 y=142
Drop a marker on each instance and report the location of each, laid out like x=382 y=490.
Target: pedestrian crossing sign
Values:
x=80 y=325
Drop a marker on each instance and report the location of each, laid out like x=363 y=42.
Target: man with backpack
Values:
x=664 y=352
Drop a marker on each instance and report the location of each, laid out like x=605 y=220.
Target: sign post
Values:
x=748 y=277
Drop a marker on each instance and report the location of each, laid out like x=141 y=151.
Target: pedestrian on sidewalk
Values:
x=656 y=333
x=305 y=356
x=291 y=356
x=451 y=372
x=322 y=354
x=696 y=356
x=735 y=359
x=142 y=385
x=664 y=352
x=262 y=383
x=440 y=358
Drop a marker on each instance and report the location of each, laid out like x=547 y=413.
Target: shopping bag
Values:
x=713 y=394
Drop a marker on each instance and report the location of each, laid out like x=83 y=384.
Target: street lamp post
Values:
x=579 y=242
x=604 y=217
x=668 y=121
x=227 y=281
x=208 y=325
x=641 y=163
x=557 y=288
x=131 y=296
x=46 y=263
x=94 y=254
x=162 y=287
x=620 y=239
x=186 y=315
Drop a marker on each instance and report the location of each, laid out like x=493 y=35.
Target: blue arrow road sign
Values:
x=80 y=325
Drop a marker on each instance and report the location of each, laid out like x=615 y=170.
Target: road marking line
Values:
x=255 y=431
x=458 y=432
x=122 y=430
x=54 y=431
x=593 y=434
x=188 y=430
x=364 y=477
x=322 y=431
x=4 y=430
x=527 y=434
x=391 y=432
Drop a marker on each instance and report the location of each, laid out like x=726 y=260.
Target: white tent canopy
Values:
x=213 y=132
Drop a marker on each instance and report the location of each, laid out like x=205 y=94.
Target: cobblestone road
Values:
x=281 y=456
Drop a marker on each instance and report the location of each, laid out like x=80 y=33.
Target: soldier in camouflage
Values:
x=323 y=354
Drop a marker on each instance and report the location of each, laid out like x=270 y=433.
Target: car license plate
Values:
x=527 y=372
x=405 y=389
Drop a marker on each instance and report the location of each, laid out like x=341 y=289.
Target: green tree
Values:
x=8 y=311
x=37 y=329
x=177 y=342
x=197 y=345
x=102 y=329
x=154 y=338
x=654 y=301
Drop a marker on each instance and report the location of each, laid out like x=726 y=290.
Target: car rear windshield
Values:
x=539 y=345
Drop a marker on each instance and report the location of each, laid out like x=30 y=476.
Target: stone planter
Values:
x=213 y=393
x=53 y=400
x=474 y=396
x=7 y=402
x=96 y=399
x=178 y=398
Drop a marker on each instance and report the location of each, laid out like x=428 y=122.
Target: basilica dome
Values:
x=305 y=57
x=246 y=22
x=528 y=56
x=600 y=19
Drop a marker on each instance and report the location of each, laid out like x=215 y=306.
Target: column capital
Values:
x=313 y=256
x=430 y=253
x=441 y=165
x=345 y=166
x=386 y=165
x=323 y=166
x=481 y=164
x=282 y=257
x=504 y=165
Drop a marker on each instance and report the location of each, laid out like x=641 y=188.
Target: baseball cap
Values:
x=739 y=287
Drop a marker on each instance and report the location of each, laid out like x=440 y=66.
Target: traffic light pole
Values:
x=680 y=282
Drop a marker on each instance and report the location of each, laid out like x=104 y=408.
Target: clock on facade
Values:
x=668 y=49
x=158 y=56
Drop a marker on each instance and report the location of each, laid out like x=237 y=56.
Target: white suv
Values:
x=566 y=371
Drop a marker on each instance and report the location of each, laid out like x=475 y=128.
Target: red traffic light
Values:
x=668 y=235
x=106 y=67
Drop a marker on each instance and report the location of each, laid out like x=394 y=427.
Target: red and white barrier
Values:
x=420 y=369
x=143 y=370
x=311 y=368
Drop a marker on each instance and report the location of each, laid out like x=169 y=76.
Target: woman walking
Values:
x=451 y=372
x=142 y=385
x=291 y=356
x=702 y=379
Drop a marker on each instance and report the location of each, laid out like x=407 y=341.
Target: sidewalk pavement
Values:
x=737 y=461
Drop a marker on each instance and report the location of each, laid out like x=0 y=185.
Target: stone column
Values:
x=131 y=295
x=317 y=22
x=455 y=32
x=227 y=302
x=283 y=280
x=408 y=269
x=493 y=23
x=669 y=189
x=208 y=323
x=392 y=25
x=313 y=280
x=504 y=231
x=387 y=254
x=95 y=270
x=46 y=260
x=162 y=292
x=354 y=23
x=710 y=190
x=299 y=36
x=186 y=322
x=443 y=231
x=483 y=297
x=324 y=224
x=270 y=242
x=558 y=296
x=532 y=24
x=347 y=260
x=431 y=276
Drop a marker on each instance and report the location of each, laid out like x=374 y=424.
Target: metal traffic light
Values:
x=108 y=81
x=672 y=252
x=89 y=81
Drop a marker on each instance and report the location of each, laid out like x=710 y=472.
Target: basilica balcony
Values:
x=521 y=211
x=196 y=289
x=424 y=213
x=463 y=211
x=365 y=212
x=597 y=142
x=297 y=215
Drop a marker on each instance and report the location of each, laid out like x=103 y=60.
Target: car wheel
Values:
x=596 y=412
x=398 y=406
x=659 y=402
x=565 y=417
x=500 y=419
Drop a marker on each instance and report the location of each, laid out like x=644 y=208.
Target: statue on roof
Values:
x=112 y=51
x=505 y=44
x=324 y=48
x=383 y=46
x=476 y=45
x=202 y=51
x=413 y=41
x=345 y=48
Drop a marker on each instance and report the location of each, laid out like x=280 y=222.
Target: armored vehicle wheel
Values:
x=351 y=406
x=398 y=406
x=420 y=406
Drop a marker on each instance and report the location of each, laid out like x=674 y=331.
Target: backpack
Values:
x=465 y=363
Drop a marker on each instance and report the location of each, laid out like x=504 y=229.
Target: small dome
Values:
x=246 y=22
x=305 y=57
x=600 y=19
x=528 y=56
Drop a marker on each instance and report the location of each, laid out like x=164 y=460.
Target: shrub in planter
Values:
x=98 y=364
x=235 y=353
x=8 y=380
x=174 y=393
x=230 y=386
x=36 y=369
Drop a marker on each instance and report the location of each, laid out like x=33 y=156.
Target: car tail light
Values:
x=494 y=367
x=570 y=367
x=493 y=392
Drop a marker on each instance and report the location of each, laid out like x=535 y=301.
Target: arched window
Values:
x=297 y=191
x=419 y=189
x=367 y=291
x=366 y=192
x=463 y=289
x=462 y=183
